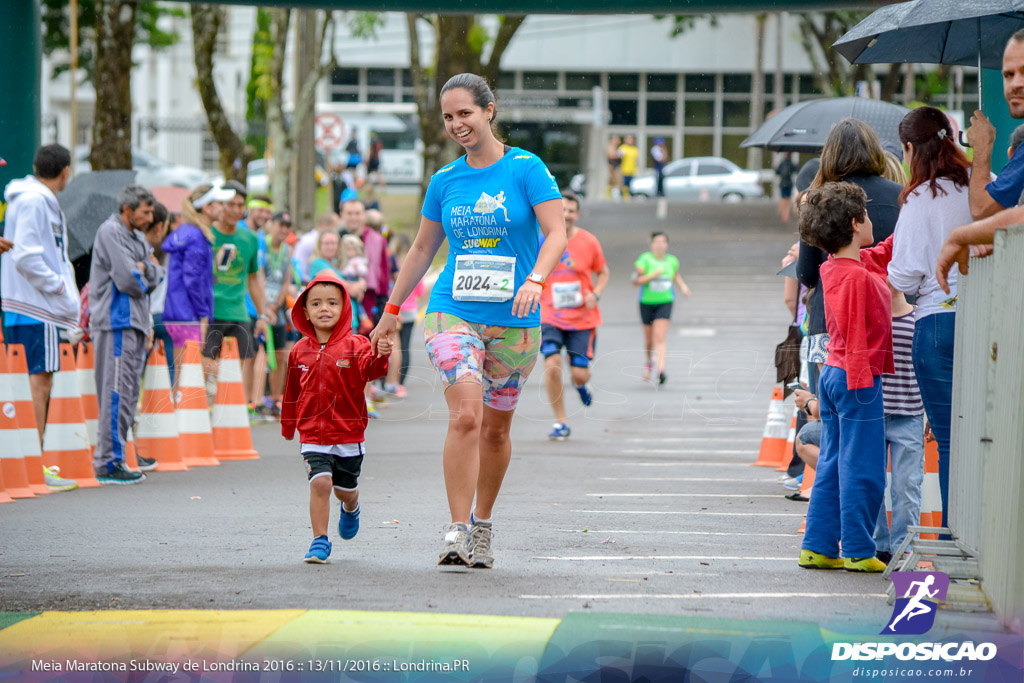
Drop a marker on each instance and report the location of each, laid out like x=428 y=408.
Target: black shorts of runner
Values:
x=651 y=312
x=344 y=472
x=579 y=344
x=241 y=331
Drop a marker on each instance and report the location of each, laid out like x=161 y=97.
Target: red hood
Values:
x=303 y=325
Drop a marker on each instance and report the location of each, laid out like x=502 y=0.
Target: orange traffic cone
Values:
x=157 y=436
x=131 y=459
x=195 y=440
x=232 y=439
x=25 y=415
x=12 y=462
x=65 y=440
x=87 y=387
x=931 y=496
x=787 y=454
x=4 y=498
x=808 y=481
x=773 y=441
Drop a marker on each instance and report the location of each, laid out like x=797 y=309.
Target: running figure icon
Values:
x=916 y=606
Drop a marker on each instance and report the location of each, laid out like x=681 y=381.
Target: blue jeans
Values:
x=904 y=435
x=850 y=478
x=933 y=363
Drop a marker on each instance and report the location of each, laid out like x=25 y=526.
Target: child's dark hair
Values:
x=160 y=215
x=658 y=233
x=570 y=196
x=828 y=214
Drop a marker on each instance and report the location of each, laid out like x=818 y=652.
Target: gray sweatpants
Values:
x=120 y=361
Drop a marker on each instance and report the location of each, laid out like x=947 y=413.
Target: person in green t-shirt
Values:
x=236 y=269
x=656 y=273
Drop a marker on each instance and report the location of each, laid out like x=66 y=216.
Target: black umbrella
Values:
x=87 y=201
x=956 y=32
x=803 y=127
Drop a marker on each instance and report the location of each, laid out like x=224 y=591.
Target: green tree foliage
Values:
x=257 y=90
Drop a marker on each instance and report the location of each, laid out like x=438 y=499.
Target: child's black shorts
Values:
x=344 y=472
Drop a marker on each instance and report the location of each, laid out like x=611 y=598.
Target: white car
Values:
x=702 y=179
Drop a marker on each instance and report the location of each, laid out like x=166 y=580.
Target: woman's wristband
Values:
x=392 y=308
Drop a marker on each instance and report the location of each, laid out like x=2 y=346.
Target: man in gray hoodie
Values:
x=123 y=273
x=37 y=280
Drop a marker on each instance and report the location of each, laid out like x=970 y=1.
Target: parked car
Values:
x=151 y=171
x=701 y=179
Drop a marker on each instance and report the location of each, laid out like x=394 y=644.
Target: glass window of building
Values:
x=699 y=113
x=736 y=83
x=506 y=80
x=661 y=112
x=388 y=96
x=624 y=112
x=732 y=151
x=703 y=83
x=345 y=77
x=380 y=77
x=735 y=113
x=623 y=82
x=406 y=78
x=582 y=81
x=807 y=85
x=661 y=82
x=698 y=145
x=540 y=80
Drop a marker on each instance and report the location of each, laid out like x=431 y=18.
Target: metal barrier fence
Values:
x=987 y=452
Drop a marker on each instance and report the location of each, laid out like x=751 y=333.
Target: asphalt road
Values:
x=651 y=507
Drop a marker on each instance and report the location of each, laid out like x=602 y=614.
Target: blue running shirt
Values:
x=488 y=212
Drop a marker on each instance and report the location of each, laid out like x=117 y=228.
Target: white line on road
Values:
x=614 y=558
x=696 y=332
x=684 y=495
x=697 y=596
x=689 y=463
x=687 y=439
x=681 y=512
x=690 y=451
x=725 y=479
x=674 y=533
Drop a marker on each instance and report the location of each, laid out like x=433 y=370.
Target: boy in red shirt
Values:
x=323 y=398
x=850 y=477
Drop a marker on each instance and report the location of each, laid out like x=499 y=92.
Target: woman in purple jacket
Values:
x=189 y=304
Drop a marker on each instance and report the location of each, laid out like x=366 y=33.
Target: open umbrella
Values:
x=955 y=32
x=170 y=196
x=804 y=126
x=87 y=201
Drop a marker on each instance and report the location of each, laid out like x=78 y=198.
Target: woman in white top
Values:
x=934 y=202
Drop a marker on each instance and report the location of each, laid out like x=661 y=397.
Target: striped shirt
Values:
x=899 y=390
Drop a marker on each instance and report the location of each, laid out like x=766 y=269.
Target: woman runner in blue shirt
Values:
x=483 y=321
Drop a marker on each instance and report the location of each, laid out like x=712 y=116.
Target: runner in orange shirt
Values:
x=569 y=314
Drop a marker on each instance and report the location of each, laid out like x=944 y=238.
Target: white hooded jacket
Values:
x=36 y=277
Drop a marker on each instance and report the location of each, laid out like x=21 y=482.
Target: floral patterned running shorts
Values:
x=497 y=358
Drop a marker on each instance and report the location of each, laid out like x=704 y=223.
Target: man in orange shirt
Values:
x=569 y=314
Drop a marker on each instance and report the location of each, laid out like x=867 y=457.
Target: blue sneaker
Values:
x=585 y=394
x=559 y=432
x=794 y=483
x=319 y=551
x=348 y=524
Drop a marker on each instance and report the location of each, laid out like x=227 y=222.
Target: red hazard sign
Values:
x=329 y=131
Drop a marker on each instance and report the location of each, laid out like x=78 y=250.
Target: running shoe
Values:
x=319 y=551
x=794 y=483
x=559 y=432
x=456 y=545
x=348 y=523
x=812 y=560
x=371 y=409
x=647 y=371
x=146 y=464
x=117 y=473
x=586 y=395
x=480 y=554
x=864 y=564
x=400 y=391
x=662 y=378
x=54 y=482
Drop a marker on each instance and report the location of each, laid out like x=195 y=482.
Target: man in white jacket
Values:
x=37 y=281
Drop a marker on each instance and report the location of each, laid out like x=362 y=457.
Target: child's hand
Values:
x=384 y=346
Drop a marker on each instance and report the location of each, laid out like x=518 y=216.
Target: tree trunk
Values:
x=754 y=160
x=112 y=120
x=234 y=155
x=277 y=130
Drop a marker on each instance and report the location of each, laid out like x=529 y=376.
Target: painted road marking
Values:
x=674 y=533
x=686 y=439
x=684 y=495
x=697 y=596
x=689 y=463
x=697 y=332
x=723 y=479
x=681 y=512
x=615 y=558
x=691 y=451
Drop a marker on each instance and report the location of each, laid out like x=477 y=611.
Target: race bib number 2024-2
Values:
x=484 y=278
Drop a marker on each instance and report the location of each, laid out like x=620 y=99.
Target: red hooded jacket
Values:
x=323 y=392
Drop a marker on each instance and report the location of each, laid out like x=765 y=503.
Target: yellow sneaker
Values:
x=865 y=564
x=51 y=475
x=812 y=560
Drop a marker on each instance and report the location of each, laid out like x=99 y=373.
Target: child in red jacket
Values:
x=323 y=398
x=850 y=476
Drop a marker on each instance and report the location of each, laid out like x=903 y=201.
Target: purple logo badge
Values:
x=916 y=597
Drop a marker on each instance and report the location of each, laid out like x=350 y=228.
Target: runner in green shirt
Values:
x=656 y=273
